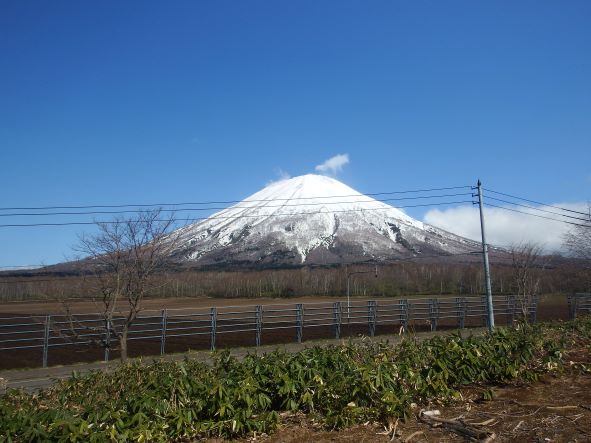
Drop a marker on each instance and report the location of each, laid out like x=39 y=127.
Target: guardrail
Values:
x=579 y=304
x=249 y=325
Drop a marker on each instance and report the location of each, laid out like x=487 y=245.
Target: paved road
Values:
x=35 y=379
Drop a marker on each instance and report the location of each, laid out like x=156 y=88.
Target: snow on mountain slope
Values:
x=310 y=219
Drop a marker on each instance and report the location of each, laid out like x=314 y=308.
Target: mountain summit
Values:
x=311 y=219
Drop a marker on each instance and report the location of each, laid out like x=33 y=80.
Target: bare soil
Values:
x=153 y=304
x=551 y=306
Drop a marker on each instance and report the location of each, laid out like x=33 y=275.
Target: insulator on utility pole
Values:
x=489 y=302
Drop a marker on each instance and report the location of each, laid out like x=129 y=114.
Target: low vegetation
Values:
x=336 y=385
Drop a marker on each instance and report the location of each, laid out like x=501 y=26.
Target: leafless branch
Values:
x=125 y=257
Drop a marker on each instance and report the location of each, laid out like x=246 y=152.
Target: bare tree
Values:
x=124 y=257
x=577 y=242
x=527 y=261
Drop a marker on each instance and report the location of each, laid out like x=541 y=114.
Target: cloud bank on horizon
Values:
x=333 y=165
x=504 y=228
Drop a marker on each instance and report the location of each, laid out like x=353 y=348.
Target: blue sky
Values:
x=145 y=102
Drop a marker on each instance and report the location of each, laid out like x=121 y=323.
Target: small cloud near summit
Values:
x=281 y=175
x=333 y=165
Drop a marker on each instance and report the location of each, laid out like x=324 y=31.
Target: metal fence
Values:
x=177 y=329
x=579 y=304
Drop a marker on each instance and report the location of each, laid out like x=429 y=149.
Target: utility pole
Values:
x=489 y=302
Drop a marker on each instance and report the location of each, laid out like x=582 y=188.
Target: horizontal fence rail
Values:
x=156 y=331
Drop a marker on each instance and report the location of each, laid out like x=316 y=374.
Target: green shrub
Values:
x=338 y=385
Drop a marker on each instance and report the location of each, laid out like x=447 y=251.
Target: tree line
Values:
x=512 y=275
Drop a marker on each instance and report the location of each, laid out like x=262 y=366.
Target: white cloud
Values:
x=281 y=175
x=333 y=165
x=504 y=228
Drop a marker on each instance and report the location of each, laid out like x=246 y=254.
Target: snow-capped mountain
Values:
x=310 y=219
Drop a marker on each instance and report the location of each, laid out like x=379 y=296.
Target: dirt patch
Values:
x=153 y=304
x=550 y=306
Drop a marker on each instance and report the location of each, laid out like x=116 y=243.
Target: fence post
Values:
x=164 y=322
x=404 y=315
x=337 y=318
x=511 y=304
x=214 y=318
x=533 y=309
x=485 y=321
x=572 y=306
x=371 y=317
x=107 y=340
x=433 y=313
x=299 y=322
x=259 y=324
x=461 y=311
x=46 y=339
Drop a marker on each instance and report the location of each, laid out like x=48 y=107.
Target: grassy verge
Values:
x=339 y=385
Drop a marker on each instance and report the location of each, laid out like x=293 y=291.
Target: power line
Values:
x=144 y=205
x=538 y=203
x=17 y=225
x=537 y=209
x=537 y=215
x=239 y=207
